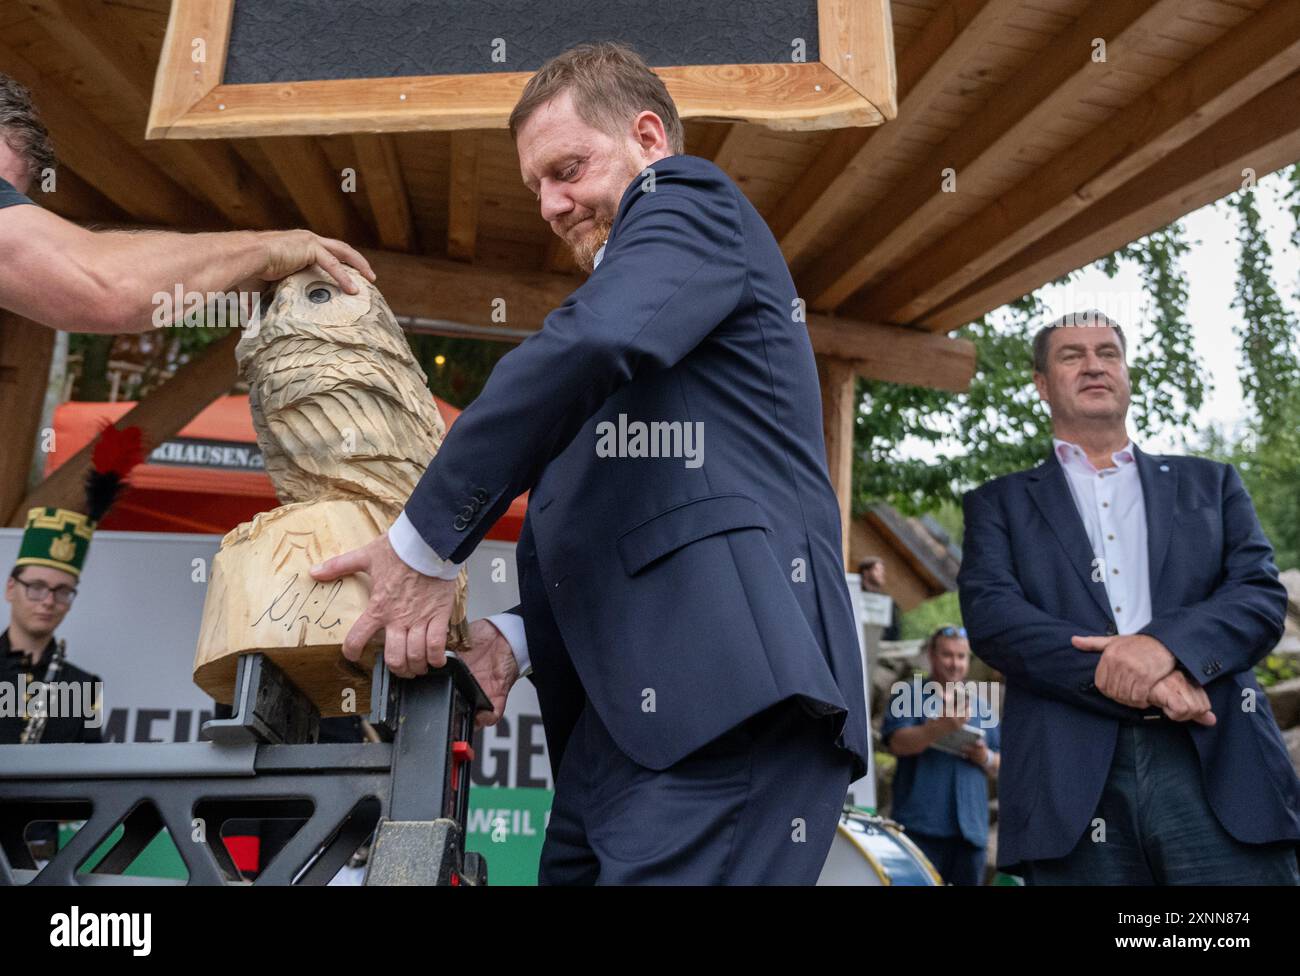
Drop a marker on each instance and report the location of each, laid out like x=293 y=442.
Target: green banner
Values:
x=507 y=826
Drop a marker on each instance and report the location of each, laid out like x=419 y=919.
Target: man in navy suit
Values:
x=684 y=608
x=1126 y=597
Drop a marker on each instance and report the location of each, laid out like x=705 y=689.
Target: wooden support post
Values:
x=839 y=405
x=25 y=352
x=159 y=415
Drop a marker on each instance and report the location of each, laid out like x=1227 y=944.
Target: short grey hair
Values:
x=21 y=127
x=1087 y=319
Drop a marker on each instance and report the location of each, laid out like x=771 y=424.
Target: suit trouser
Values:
x=758 y=805
x=1154 y=825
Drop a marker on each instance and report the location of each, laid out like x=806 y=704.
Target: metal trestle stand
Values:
x=412 y=793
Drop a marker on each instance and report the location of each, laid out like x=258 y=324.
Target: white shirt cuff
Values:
x=418 y=554
x=511 y=626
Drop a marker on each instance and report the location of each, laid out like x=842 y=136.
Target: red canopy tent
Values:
x=209 y=477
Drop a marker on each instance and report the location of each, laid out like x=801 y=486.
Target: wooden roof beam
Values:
x=104 y=159
x=210 y=374
x=1261 y=136
x=736 y=145
x=437 y=289
x=111 y=52
x=385 y=189
x=76 y=200
x=559 y=259
x=1230 y=72
x=1057 y=76
x=315 y=187
x=951 y=35
x=895 y=354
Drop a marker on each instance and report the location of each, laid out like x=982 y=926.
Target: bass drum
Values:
x=874 y=852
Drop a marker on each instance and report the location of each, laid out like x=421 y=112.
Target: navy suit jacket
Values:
x=680 y=600
x=1026 y=588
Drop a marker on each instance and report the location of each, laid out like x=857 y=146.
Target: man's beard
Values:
x=585 y=247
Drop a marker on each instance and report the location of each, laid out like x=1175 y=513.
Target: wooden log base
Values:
x=261 y=598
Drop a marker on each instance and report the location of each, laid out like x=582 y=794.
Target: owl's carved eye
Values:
x=319 y=294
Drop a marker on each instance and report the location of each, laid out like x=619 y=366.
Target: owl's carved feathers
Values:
x=340 y=405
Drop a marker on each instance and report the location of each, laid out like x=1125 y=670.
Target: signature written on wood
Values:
x=298 y=602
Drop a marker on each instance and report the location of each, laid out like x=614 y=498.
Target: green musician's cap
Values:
x=56 y=537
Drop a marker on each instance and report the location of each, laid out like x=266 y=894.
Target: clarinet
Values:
x=35 y=727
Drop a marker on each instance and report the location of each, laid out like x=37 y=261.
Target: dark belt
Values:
x=1150 y=717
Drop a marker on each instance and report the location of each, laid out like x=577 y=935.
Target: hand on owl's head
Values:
x=287 y=251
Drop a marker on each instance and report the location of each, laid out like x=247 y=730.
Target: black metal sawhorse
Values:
x=411 y=793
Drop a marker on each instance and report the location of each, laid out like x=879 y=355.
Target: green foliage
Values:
x=1267 y=454
x=1270 y=368
x=466 y=365
x=159 y=352
x=925 y=618
x=1167 y=376
x=1275 y=668
x=1268 y=460
x=999 y=421
x=950 y=519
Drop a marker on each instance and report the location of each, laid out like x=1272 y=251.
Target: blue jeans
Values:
x=958 y=861
x=1157 y=827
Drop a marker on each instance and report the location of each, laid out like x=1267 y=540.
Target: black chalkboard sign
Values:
x=313 y=40
x=236 y=68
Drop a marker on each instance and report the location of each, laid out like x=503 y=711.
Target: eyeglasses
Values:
x=38 y=591
x=950 y=631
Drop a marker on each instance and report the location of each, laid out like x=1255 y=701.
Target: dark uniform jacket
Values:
x=71 y=728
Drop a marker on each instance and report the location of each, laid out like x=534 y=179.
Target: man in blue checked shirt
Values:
x=941 y=797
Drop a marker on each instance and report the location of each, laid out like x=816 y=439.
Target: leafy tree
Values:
x=1270 y=369
x=1267 y=452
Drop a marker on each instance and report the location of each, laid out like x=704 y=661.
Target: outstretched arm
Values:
x=60 y=274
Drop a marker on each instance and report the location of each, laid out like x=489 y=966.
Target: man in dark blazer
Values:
x=1126 y=598
x=684 y=607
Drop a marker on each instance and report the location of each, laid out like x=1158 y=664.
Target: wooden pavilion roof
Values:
x=1058 y=158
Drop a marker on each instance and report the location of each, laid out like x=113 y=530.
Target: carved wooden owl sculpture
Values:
x=340 y=405
x=347 y=425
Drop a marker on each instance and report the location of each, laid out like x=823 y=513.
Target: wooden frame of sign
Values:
x=852 y=85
